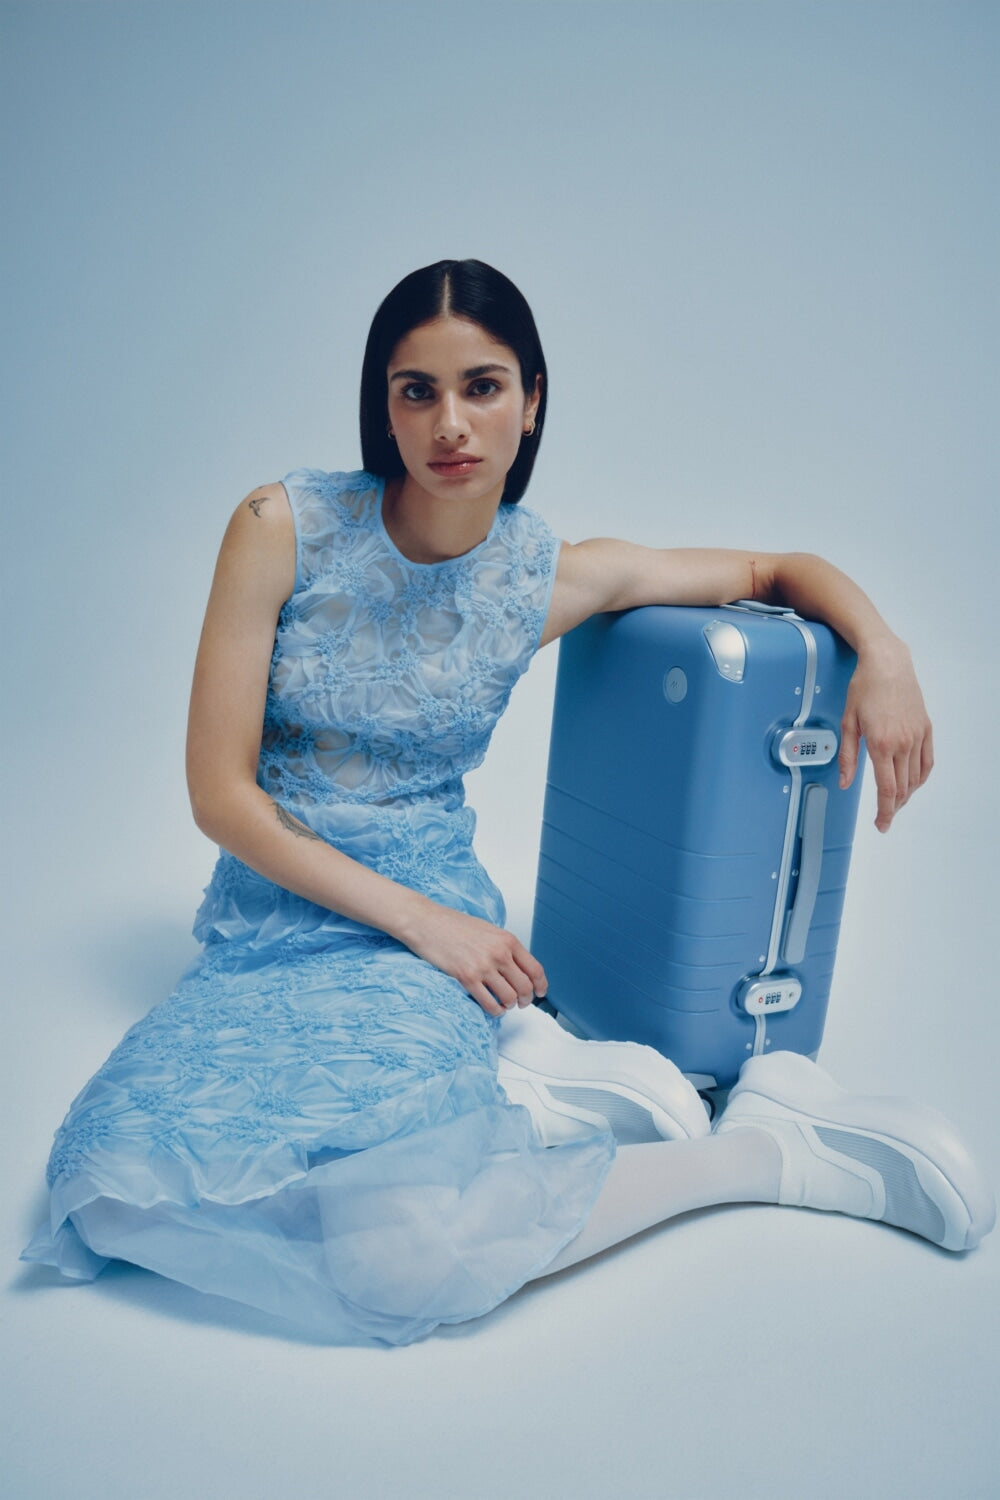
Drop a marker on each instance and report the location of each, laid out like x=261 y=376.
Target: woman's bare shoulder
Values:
x=262 y=519
x=267 y=505
x=258 y=549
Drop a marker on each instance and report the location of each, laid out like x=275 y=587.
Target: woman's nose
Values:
x=451 y=425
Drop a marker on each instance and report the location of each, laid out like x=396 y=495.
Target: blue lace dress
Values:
x=312 y=1123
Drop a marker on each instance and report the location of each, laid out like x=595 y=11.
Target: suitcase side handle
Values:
x=757 y=607
x=812 y=826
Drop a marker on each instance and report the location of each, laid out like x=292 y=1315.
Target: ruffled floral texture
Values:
x=311 y=1124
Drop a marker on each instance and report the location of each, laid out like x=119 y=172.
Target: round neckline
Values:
x=443 y=562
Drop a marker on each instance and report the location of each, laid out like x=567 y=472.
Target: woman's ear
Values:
x=531 y=402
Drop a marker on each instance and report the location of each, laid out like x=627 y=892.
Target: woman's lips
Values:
x=454 y=464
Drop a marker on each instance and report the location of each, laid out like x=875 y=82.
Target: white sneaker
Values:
x=571 y=1087
x=873 y=1156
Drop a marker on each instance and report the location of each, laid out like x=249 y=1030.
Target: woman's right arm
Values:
x=254 y=576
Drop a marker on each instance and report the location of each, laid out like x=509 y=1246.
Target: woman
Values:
x=313 y=1122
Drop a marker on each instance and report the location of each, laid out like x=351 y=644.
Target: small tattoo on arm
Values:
x=293 y=825
x=256 y=503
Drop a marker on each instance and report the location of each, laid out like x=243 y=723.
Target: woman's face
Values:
x=457 y=409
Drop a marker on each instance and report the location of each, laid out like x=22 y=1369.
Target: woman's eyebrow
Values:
x=413 y=375
x=474 y=374
x=478 y=370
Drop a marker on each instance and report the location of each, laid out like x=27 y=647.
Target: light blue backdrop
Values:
x=760 y=238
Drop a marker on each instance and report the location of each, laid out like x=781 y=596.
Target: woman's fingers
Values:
x=502 y=989
x=491 y=965
x=850 y=742
x=886 y=809
x=925 y=757
x=515 y=978
x=529 y=966
x=498 y=993
x=486 y=1001
x=885 y=706
x=897 y=777
x=891 y=783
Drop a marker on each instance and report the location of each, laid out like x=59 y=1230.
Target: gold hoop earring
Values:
x=530 y=428
x=390 y=434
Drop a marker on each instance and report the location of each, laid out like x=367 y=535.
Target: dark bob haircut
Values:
x=459 y=289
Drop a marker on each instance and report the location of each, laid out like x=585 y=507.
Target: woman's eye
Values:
x=416 y=391
x=484 y=387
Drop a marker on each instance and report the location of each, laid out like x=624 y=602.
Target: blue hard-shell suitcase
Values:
x=695 y=842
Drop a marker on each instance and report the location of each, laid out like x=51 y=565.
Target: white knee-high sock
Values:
x=655 y=1181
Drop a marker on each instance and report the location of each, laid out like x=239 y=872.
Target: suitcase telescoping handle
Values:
x=769 y=992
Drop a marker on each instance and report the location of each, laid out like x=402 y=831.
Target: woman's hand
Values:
x=496 y=970
x=886 y=707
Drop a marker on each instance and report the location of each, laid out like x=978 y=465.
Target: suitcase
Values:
x=695 y=841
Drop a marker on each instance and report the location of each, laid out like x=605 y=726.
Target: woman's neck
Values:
x=427 y=529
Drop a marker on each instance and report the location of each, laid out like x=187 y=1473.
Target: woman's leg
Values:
x=656 y=1181
x=790 y=1135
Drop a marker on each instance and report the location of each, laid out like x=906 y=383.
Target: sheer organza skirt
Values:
x=322 y=1138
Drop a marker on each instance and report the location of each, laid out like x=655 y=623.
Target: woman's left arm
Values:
x=884 y=703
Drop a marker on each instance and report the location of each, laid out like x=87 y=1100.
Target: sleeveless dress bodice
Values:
x=311 y=1123
x=387 y=679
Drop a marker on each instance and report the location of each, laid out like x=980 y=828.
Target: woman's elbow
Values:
x=211 y=806
x=203 y=809
x=780 y=576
